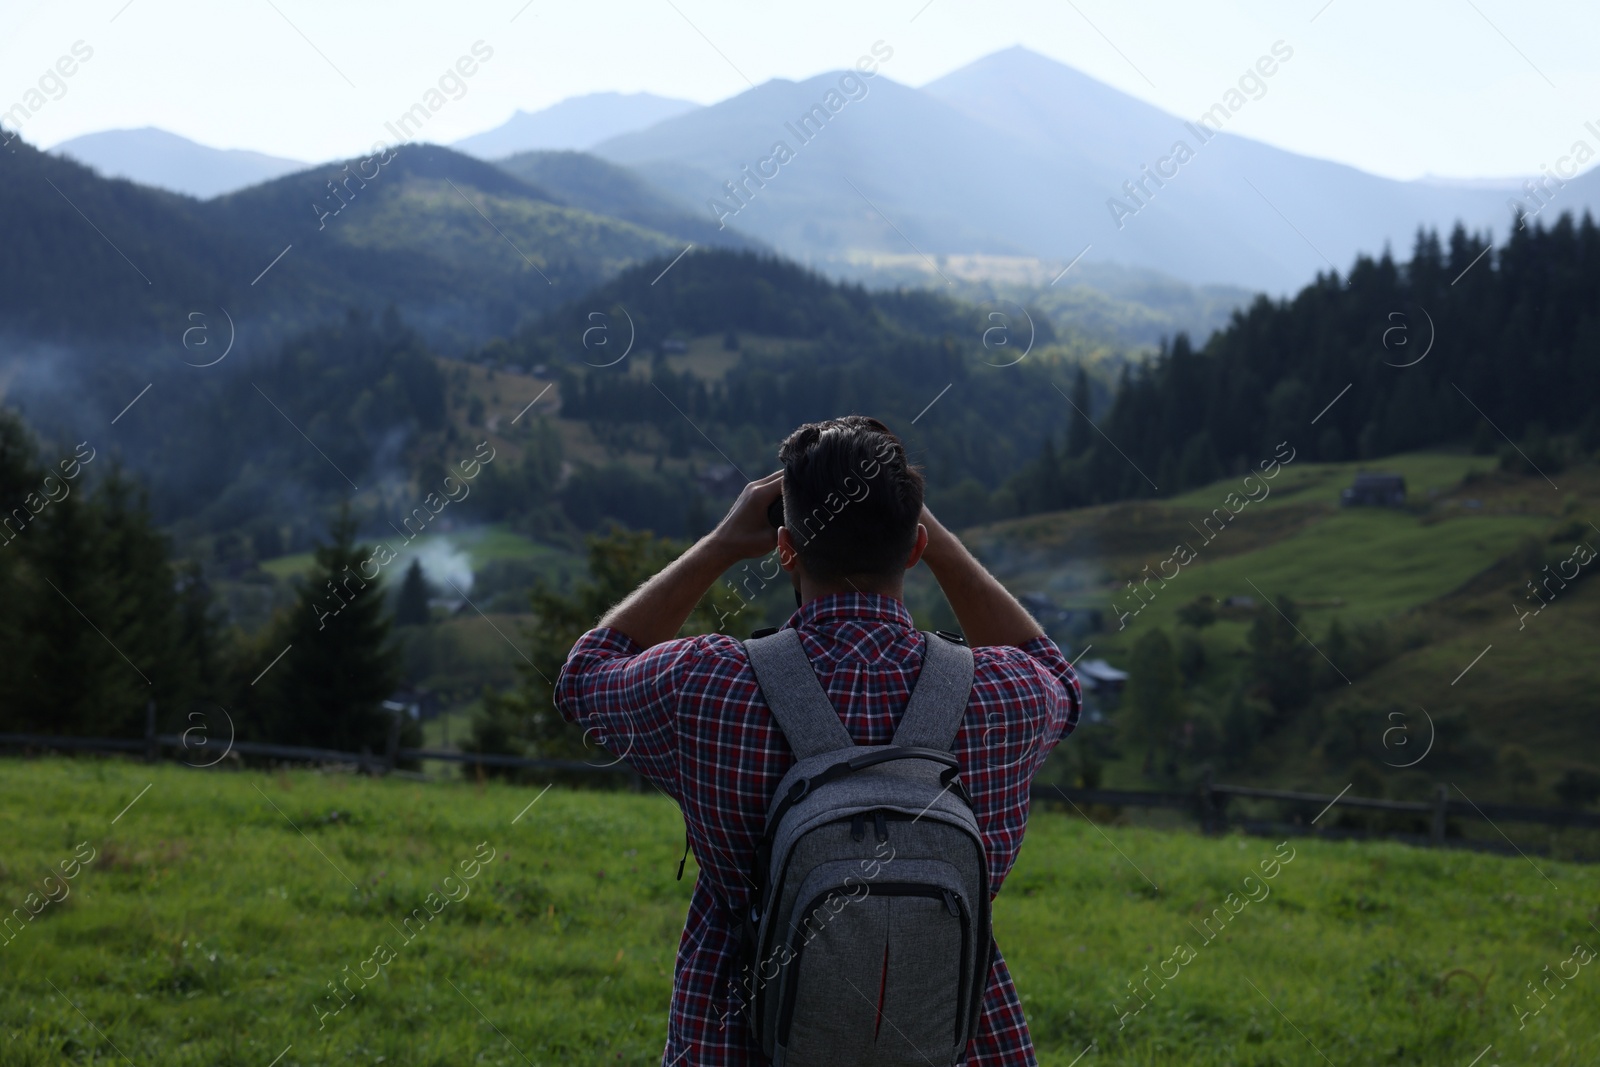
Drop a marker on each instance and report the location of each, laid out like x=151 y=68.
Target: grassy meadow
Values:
x=1447 y=575
x=217 y=907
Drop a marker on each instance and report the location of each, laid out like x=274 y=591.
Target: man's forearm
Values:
x=989 y=615
x=657 y=610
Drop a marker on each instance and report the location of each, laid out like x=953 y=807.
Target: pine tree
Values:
x=412 y=608
x=1045 y=492
x=1153 y=699
x=1241 y=728
x=526 y=719
x=1336 y=646
x=144 y=622
x=1280 y=658
x=1199 y=464
x=1079 y=432
x=200 y=637
x=340 y=663
x=19 y=476
x=94 y=628
x=75 y=674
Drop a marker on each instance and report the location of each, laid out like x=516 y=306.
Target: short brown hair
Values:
x=851 y=497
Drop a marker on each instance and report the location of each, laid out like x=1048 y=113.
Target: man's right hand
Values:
x=744 y=532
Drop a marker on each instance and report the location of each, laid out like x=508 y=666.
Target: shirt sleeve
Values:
x=1059 y=678
x=625 y=698
x=1033 y=702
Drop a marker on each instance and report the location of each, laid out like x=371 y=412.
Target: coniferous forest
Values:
x=1441 y=349
x=1458 y=346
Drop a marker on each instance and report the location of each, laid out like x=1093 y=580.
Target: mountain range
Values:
x=579 y=122
x=165 y=160
x=1015 y=176
x=151 y=156
x=1019 y=155
x=467 y=249
x=604 y=188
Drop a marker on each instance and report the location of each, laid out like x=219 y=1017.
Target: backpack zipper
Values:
x=953 y=903
x=763 y=897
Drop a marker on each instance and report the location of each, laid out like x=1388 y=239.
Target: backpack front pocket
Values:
x=876 y=974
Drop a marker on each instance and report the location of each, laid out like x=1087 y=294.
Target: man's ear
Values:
x=917 y=549
x=788 y=558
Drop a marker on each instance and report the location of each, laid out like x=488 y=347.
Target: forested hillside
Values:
x=1461 y=344
x=796 y=347
x=85 y=256
x=593 y=184
x=678 y=364
x=648 y=399
x=466 y=248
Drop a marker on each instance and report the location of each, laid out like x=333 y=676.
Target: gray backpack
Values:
x=867 y=940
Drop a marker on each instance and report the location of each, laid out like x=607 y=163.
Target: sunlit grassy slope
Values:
x=1302 y=482
x=1297 y=540
x=219 y=906
x=1353 y=563
x=1373 y=562
x=1447 y=574
x=428 y=214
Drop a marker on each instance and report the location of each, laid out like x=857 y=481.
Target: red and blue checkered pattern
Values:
x=689 y=716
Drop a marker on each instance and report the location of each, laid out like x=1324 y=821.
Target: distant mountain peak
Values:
x=156 y=157
x=576 y=123
x=1017 y=154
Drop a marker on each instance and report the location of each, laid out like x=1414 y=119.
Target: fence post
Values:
x=1208 y=805
x=152 y=751
x=1441 y=806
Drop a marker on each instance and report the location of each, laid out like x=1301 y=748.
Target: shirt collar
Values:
x=874 y=606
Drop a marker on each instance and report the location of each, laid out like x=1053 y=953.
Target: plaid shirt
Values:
x=688 y=715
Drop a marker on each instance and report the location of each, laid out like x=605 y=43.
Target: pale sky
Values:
x=1458 y=88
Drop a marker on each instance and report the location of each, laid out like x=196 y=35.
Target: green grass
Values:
x=288 y=566
x=207 y=928
x=1446 y=575
x=489 y=543
x=483 y=544
x=453 y=727
x=423 y=213
x=1533 y=685
x=1302 y=482
x=1376 y=562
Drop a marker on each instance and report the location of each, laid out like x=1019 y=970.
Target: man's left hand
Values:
x=655 y=612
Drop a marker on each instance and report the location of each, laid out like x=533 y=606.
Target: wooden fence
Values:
x=1208 y=803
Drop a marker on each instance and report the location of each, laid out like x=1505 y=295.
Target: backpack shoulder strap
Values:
x=803 y=711
x=939 y=699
